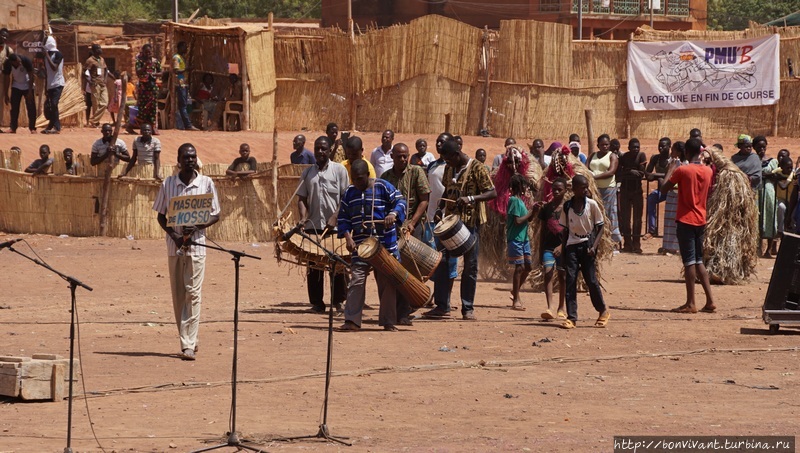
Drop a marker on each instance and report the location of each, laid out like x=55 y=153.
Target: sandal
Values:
x=561 y=315
x=567 y=324
x=390 y=328
x=603 y=319
x=518 y=307
x=548 y=315
x=348 y=326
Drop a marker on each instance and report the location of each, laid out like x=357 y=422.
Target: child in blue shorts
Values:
x=519 y=246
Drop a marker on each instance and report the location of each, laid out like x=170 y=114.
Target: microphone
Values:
x=290 y=233
x=9 y=243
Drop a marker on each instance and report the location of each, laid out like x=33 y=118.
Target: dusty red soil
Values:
x=499 y=387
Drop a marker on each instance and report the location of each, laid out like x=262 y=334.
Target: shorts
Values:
x=690 y=243
x=549 y=260
x=519 y=252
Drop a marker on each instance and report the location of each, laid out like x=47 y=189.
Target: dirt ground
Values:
x=508 y=382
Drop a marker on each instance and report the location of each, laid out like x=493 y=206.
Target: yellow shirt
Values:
x=346 y=164
x=783 y=193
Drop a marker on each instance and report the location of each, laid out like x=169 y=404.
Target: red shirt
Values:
x=694 y=183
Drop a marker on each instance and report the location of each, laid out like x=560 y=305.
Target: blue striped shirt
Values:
x=373 y=204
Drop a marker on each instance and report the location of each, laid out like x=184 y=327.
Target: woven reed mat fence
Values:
x=69 y=204
x=70 y=106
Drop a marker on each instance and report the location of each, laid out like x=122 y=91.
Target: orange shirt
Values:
x=695 y=182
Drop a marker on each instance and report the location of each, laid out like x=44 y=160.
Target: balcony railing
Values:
x=673 y=8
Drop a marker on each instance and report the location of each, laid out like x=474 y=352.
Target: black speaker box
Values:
x=784 y=286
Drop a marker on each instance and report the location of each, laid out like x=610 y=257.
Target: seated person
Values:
x=244 y=165
x=206 y=95
x=42 y=165
x=232 y=94
x=69 y=162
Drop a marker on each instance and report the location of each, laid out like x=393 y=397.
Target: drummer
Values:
x=371 y=207
x=321 y=188
x=468 y=183
x=412 y=182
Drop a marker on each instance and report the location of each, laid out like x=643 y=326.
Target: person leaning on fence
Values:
x=186 y=264
x=655 y=171
x=147 y=149
x=41 y=166
x=244 y=165
x=103 y=149
x=318 y=196
x=371 y=207
x=582 y=220
x=19 y=74
x=72 y=167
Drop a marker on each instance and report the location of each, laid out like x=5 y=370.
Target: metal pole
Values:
x=175 y=10
x=580 y=20
x=651 y=13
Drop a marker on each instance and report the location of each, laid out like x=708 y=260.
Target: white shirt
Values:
x=426 y=159
x=20 y=78
x=381 y=161
x=435 y=174
x=101 y=148
x=174 y=187
x=145 y=152
x=581 y=225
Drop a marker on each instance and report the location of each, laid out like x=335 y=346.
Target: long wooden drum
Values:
x=454 y=235
x=416 y=292
x=418 y=257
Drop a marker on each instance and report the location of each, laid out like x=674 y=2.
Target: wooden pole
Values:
x=245 y=84
x=173 y=103
x=275 y=169
x=589 y=131
x=486 y=83
x=105 y=194
x=270 y=18
x=447 y=122
x=350 y=20
x=775 y=116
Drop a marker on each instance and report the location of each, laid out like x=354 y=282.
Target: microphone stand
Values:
x=233 y=438
x=73 y=284
x=323 y=432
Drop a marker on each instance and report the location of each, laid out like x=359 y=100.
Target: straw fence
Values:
x=59 y=204
x=408 y=77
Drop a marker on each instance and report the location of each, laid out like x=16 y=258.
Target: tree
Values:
x=735 y=14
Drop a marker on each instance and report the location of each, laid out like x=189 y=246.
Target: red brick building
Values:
x=606 y=19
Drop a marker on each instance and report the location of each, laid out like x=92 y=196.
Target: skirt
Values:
x=609 y=195
x=670 y=239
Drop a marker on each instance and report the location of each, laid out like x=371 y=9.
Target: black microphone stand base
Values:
x=233 y=441
x=323 y=433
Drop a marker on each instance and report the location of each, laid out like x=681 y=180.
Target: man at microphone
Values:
x=321 y=188
x=186 y=261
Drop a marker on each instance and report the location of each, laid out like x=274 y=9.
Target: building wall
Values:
x=480 y=13
x=20 y=14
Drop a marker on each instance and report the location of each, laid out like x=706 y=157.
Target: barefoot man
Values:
x=695 y=182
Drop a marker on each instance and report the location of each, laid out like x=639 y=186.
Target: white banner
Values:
x=677 y=75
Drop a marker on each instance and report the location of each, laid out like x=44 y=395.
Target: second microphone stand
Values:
x=233 y=437
x=323 y=432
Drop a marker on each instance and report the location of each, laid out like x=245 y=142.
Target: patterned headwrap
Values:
x=559 y=167
x=743 y=139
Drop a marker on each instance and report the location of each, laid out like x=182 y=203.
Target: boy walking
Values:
x=582 y=220
x=552 y=251
x=695 y=183
x=519 y=246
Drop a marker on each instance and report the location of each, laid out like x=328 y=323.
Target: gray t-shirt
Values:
x=750 y=165
x=323 y=189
